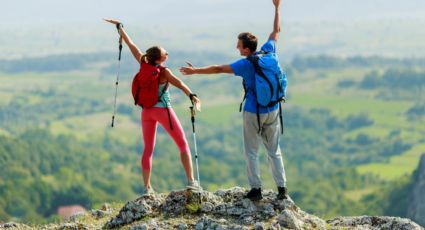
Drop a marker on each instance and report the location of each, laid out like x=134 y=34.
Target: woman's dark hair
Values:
x=248 y=41
x=152 y=55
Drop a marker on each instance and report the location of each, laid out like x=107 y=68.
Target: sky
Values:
x=195 y=12
x=42 y=27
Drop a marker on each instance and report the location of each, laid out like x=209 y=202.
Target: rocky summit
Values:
x=223 y=209
x=227 y=209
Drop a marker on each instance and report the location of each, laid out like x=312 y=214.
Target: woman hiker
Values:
x=161 y=112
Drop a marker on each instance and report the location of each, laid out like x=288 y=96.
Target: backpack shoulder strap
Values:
x=163 y=89
x=254 y=60
x=244 y=95
x=161 y=69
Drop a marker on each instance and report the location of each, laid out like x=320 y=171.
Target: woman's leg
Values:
x=149 y=135
x=179 y=138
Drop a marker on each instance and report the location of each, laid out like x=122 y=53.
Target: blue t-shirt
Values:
x=245 y=69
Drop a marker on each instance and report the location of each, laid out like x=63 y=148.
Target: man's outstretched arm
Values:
x=213 y=69
x=276 y=25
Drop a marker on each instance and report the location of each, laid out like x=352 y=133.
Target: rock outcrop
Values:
x=227 y=209
x=416 y=209
x=373 y=222
x=224 y=209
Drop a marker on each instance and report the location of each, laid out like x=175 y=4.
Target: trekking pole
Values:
x=119 y=26
x=192 y=111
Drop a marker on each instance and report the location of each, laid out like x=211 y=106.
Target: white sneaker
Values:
x=193 y=185
x=148 y=191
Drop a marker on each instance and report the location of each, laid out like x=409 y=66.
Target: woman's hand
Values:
x=197 y=103
x=113 y=21
x=117 y=23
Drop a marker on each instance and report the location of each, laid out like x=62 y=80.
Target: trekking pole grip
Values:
x=192 y=113
x=120 y=49
x=119 y=26
x=191 y=97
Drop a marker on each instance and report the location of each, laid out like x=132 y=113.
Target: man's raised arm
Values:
x=276 y=25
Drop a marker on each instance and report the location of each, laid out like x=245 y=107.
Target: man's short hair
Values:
x=248 y=41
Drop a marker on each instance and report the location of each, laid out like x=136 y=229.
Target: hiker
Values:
x=162 y=111
x=268 y=116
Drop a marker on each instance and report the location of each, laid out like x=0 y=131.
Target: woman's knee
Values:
x=183 y=147
x=185 y=153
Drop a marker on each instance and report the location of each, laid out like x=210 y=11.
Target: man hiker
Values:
x=264 y=128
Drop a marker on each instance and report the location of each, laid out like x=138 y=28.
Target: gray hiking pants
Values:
x=269 y=135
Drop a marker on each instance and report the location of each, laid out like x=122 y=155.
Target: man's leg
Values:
x=251 y=143
x=270 y=135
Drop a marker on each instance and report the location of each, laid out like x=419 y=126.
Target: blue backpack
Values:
x=270 y=82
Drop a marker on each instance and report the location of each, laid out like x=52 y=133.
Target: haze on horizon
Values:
x=192 y=12
x=335 y=27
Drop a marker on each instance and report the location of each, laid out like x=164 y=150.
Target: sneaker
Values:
x=148 y=191
x=254 y=194
x=282 y=193
x=193 y=185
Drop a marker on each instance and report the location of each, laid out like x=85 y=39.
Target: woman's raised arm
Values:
x=133 y=48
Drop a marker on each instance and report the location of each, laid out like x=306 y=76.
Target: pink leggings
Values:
x=150 y=118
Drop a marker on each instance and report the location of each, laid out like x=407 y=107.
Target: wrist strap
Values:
x=191 y=96
x=119 y=26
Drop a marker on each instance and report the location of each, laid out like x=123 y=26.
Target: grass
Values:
x=397 y=166
x=409 y=135
x=387 y=116
x=193 y=207
x=95 y=125
x=356 y=195
x=371 y=131
x=342 y=106
x=5 y=97
x=4 y=132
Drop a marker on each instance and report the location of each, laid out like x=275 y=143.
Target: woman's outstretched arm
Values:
x=133 y=48
x=174 y=80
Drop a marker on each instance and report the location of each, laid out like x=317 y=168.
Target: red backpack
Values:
x=145 y=85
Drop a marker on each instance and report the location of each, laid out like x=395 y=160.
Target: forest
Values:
x=345 y=119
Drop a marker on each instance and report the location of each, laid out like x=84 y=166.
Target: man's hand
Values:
x=276 y=24
x=189 y=70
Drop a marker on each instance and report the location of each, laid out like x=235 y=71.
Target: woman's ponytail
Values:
x=144 y=58
x=152 y=55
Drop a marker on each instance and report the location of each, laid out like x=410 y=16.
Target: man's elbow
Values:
x=225 y=69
